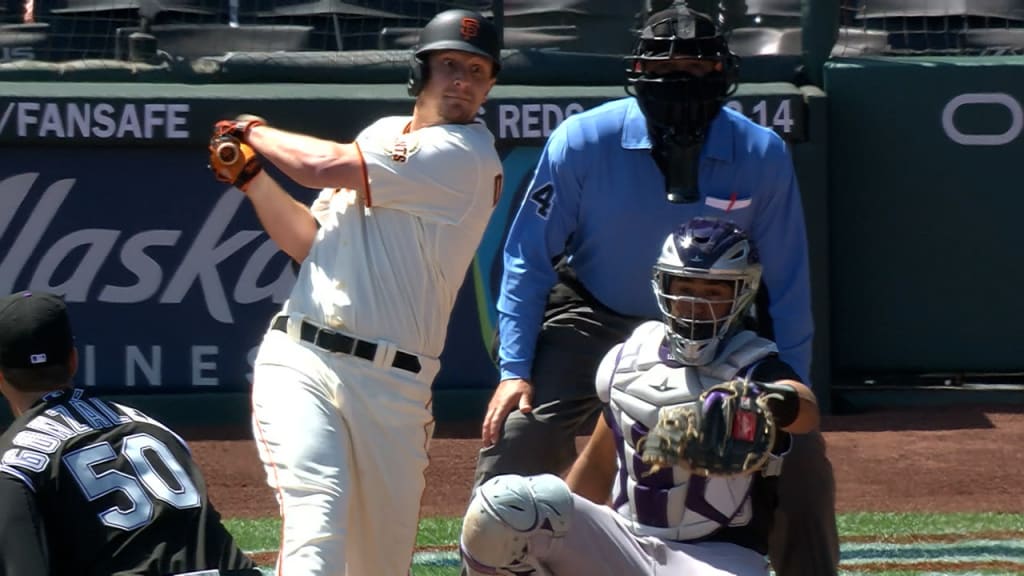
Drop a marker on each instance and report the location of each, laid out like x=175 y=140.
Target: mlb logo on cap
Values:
x=35 y=330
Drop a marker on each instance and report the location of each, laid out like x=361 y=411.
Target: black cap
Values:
x=35 y=330
x=463 y=30
x=679 y=21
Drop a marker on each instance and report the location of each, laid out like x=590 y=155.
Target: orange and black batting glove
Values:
x=239 y=127
x=233 y=161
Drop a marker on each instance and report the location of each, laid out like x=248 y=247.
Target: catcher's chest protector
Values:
x=671 y=504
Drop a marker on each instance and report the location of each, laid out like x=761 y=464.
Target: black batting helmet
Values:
x=463 y=30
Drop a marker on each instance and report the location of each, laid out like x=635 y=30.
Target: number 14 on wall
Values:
x=775 y=114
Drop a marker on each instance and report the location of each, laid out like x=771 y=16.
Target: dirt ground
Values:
x=950 y=459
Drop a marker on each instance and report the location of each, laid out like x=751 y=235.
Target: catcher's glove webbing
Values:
x=730 y=431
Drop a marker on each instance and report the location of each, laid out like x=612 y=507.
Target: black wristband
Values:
x=786 y=409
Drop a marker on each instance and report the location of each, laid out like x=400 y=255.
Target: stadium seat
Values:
x=995 y=41
x=856 y=41
x=936 y=26
x=754 y=41
x=792 y=41
x=765 y=41
x=398 y=37
x=337 y=24
x=76 y=33
x=424 y=10
x=324 y=7
x=193 y=11
x=88 y=28
x=89 y=6
x=198 y=40
x=753 y=13
x=537 y=37
x=774 y=7
x=602 y=26
x=92 y=6
x=566 y=38
x=916 y=42
x=1008 y=9
x=24 y=42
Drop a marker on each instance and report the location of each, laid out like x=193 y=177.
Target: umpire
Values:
x=611 y=183
x=89 y=487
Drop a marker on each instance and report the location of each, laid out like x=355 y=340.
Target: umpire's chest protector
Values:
x=636 y=380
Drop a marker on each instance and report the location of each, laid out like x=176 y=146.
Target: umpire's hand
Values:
x=509 y=392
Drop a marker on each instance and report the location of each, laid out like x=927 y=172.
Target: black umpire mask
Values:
x=680 y=108
x=680 y=104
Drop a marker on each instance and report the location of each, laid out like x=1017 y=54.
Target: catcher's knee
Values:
x=505 y=513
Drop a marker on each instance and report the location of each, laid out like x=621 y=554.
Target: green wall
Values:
x=925 y=201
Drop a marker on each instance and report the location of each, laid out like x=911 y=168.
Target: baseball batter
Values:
x=342 y=381
x=663 y=521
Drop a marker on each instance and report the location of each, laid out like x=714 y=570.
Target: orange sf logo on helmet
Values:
x=470 y=28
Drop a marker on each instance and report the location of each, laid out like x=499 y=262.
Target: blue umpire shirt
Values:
x=598 y=196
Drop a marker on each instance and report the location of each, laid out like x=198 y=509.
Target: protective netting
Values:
x=69 y=30
x=181 y=32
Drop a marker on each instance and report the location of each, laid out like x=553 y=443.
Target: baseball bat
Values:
x=228 y=152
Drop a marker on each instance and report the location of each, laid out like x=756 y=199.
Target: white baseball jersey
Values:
x=344 y=439
x=637 y=379
x=388 y=265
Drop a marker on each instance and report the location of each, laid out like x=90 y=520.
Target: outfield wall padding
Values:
x=105 y=197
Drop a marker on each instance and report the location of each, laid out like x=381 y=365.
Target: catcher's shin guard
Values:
x=505 y=514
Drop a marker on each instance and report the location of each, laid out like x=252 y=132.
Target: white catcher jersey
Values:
x=388 y=266
x=637 y=379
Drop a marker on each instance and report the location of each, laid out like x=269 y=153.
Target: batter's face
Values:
x=458 y=85
x=712 y=298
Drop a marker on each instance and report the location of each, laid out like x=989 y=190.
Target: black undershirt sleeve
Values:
x=23 y=550
x=772 y=369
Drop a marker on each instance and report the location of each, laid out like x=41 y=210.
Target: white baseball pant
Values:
x=344 y=444
x=599 y=543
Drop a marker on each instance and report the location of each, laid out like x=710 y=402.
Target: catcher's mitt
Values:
x=728 y=432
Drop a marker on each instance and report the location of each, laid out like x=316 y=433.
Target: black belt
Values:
x=336 y=342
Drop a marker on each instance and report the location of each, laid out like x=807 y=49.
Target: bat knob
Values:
x=228 y=152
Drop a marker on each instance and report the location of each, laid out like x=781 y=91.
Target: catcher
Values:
x=699 y=414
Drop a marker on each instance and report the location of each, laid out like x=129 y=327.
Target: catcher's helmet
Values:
x=680 y=105
x=707 y=249
x=463 y=30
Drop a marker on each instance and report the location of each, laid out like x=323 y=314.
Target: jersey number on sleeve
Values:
x=542 y=197
x=140 y=450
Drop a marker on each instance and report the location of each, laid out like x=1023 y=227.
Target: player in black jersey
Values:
x=90 y=487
